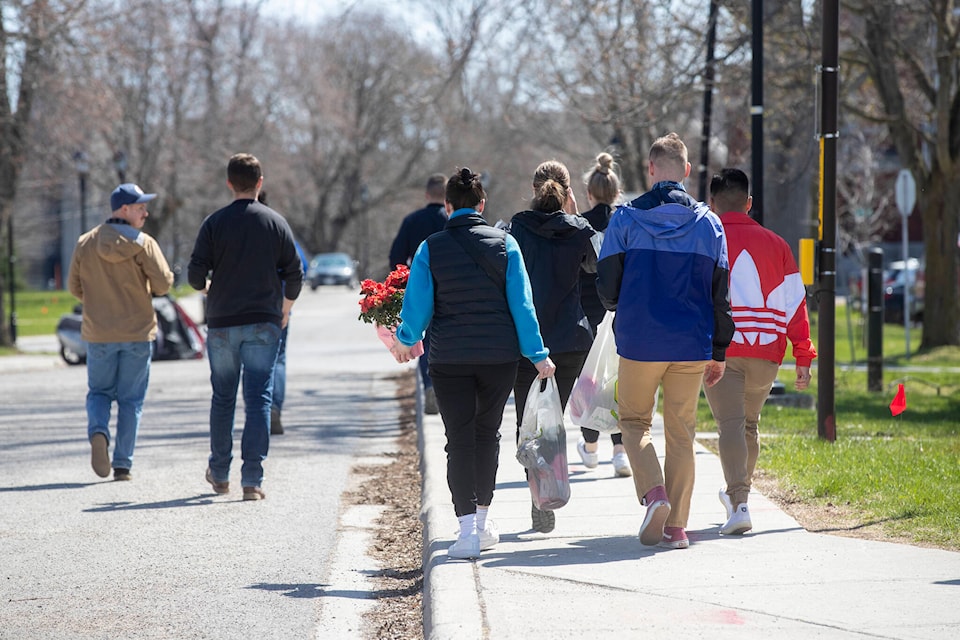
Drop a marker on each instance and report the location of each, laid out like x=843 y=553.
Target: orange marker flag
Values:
x=899 y=404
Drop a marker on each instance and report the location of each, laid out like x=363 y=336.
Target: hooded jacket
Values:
x=555 y=247
x=663 y=269
x=115 y=272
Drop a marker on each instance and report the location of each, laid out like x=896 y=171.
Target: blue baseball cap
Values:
x=129 y=193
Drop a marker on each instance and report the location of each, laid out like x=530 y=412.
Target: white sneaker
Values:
x=621 y=465
x=489 y=535
x=590 y=458
x=466 y=547
x=738 y=523
x=725 y=501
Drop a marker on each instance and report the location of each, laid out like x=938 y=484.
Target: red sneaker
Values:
x=674 y=538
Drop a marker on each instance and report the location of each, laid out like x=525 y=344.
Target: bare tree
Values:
x=864 y=211
x=30 y=33
x=910 y=53
x=359 y=116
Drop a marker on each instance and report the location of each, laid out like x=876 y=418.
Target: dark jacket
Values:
x=471 y=299
x=664 y=271
x=248 y=251
x=598 y=217
x=555 y=247
x=414 y=229
x=471 y=319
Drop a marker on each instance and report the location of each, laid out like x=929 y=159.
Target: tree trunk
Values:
x=941 y=315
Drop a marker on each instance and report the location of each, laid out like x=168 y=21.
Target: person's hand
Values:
x=285 y=320
x=803 y=378
x=713 y=372
x=400 y=351
x=545 y=368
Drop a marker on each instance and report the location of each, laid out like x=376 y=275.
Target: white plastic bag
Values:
x=593 y=401
x=542 y=446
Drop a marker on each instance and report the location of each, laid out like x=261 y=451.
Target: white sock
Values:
x=482 y=517
x=468 y=524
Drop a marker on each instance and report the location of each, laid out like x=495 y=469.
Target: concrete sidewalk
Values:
x=592 y=578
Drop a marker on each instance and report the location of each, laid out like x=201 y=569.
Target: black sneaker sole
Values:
x=543 y=521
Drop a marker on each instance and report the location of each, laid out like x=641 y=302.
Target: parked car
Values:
x=178 y=336
x=332 y=268
x=895 y=279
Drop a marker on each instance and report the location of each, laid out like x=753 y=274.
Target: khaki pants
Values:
x=637 y=395
x=736 y=402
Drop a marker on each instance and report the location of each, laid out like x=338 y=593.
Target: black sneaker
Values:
x=543 y=521
x=430 y=402
x=122 y=475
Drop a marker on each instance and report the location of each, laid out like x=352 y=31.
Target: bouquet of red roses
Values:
x=381 y=304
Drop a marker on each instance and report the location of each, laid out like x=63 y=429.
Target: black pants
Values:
x=568 y=370
x=471 y=398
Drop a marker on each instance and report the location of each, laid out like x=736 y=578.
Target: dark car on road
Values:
x=894 y=280
x=332 y=268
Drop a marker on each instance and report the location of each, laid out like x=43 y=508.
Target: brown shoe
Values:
x=276 y=427
x=218 y=487
x=99 y=456
x=122 y=475
x=253 y=493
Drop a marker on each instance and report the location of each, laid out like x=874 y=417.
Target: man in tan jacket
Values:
x=115 y=272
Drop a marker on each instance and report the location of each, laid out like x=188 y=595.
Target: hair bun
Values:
x=466 y=176
x=604 y=162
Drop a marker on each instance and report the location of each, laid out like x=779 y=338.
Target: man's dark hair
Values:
x=730 y=189
x=436 y=185
x=243 y=172
x=464 y=189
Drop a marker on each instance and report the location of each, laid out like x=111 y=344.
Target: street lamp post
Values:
x=11 y=259
x=365 y=247
x=83 y=170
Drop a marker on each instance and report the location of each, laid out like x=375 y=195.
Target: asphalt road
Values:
x=163 y=556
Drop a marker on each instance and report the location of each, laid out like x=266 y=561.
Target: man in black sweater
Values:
x=414 y=229
x=245 y=260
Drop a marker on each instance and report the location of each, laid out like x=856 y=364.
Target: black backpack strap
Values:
x=500 y=279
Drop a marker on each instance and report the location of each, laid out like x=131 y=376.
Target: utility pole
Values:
x=756 y=111
x=83 y=170
x=829 y=132
x=708 y=77
x=11 y=261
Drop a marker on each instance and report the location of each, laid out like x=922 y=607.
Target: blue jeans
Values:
x=280 y=372
x=117 y=372
x=252 y=350
x=423 y=362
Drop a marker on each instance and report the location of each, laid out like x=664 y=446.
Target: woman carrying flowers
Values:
x=469 y=283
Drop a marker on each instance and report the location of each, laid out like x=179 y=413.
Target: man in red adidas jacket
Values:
x=769 y=307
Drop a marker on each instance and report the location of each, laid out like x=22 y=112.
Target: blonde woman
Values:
x=603 y=194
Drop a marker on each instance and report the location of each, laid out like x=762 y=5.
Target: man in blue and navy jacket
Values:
x=663 y=269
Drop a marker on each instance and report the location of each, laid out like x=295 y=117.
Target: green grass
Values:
x=900 y=472
x=39 y=311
